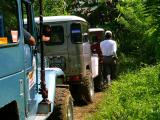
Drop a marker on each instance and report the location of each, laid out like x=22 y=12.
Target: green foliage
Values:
x=135 y=96
x=51 y=7
x=81 y=8
x=139 y=29
x=132 y=16
x=127 y=64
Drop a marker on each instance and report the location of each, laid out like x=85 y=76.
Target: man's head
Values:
x=108 y=34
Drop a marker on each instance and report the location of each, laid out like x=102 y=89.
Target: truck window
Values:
x=9 y=26
x=96 y=36
x=94 y=39
x=85 y=32
x=27 y=14
x=76 y=34
x=57 y=36
x=85 y=37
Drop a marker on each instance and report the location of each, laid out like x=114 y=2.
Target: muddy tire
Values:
x=63 y=105
x=88 y=88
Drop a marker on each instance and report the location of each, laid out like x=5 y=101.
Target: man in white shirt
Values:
x=109 y=49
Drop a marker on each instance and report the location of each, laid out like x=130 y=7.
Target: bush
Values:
x=135 y=96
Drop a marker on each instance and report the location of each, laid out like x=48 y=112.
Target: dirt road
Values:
x=81 y=111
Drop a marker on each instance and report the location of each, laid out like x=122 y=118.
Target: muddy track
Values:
x=80 y=111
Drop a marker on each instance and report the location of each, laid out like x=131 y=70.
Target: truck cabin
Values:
x=16 y=60
x=69 y=35
x=78 y=28
x=96 y=34
x=19 y=66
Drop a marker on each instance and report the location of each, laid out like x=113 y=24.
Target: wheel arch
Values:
x=10 y=111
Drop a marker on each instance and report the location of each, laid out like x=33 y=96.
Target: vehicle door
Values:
x=56 y=50
x=11 y=55
x=75 y=48
x=30 y=61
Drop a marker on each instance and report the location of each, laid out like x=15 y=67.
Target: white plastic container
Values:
x=94 y=60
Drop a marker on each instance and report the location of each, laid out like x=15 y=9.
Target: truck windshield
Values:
x=96 y=36
x=9 y=27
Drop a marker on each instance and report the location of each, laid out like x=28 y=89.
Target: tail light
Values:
x=75 y=78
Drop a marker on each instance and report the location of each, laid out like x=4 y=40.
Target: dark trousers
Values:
x=109 y=67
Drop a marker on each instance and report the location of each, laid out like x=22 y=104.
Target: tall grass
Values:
x=134 y=96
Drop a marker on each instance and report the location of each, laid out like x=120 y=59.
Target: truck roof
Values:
x=60 y=18
x=95 y=29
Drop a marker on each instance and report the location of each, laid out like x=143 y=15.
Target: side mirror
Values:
x=46 y=33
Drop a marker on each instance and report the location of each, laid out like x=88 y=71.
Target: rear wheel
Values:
x=88 y=88
x=63 y=106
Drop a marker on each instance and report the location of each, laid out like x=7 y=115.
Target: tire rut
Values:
x=81 y=111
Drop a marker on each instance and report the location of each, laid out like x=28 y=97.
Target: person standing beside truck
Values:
x=109 y=49
x=95 y=48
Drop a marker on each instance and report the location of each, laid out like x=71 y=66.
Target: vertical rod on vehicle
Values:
x=43 y=89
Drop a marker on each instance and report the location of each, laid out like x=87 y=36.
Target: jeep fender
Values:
x=51 y=75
